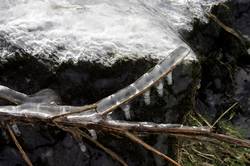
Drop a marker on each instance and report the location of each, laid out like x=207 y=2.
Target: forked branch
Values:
x=43 y=108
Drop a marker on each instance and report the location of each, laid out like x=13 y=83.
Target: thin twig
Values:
x=108 y=151
x=150 y=148
x=196 y=120
x=76 y=132
x=204 y=155
x=225 y=27
x=22 y=152
x=83 y=109
x=224 y=113
x=204 y=120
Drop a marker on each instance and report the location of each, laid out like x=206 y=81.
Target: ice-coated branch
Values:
x=42 y=107
x=116 y=126
x=12 y=95
x=146 y=81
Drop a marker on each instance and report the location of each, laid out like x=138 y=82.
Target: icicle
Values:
x=93 y=134
x=169 y=78
x=146 y=96
x=82 y=147
x=126 y=110
x=160 y=88
x=64 y=110
x=16 y=129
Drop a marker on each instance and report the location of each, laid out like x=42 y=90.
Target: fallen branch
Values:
x=177 y=130
x=42 y=107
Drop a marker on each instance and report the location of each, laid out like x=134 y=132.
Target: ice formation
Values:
x=144 y=82
x=146 y=97
x=170 y=78
x=126 y=110
x=160 y=88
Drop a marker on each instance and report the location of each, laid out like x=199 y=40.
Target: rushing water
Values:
x=100 y=31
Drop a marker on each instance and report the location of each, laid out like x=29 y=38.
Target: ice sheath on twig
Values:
x=44 y=110
x=95 y=116
x=32 y=109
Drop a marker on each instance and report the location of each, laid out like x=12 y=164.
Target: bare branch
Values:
x=150 y=148
x=224 y=113
x=108 y=151
x=22 y=152
x=77 y=133
x=225 y=27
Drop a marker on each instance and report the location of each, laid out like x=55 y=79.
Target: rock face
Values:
x=225 y=62
x=88 y=50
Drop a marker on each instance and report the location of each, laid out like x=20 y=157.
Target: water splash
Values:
x=91 y=30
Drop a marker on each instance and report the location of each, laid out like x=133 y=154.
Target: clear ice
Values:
x=169 y=78
x=146 y=96
x=126 y=110
x=160 y=88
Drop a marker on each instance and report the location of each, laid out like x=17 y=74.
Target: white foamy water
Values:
x=101 y=31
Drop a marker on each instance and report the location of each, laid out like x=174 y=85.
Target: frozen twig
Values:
x=41 y=108
x=76 y=111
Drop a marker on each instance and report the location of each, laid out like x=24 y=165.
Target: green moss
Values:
x=213 y=154
x=229 y=129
